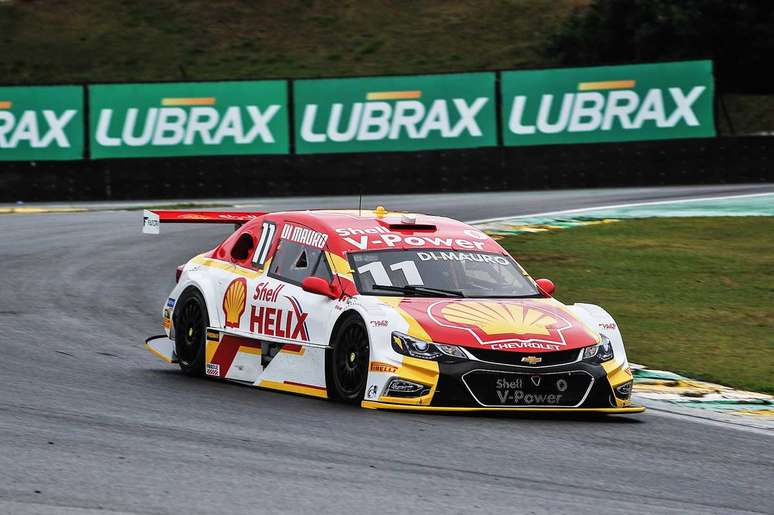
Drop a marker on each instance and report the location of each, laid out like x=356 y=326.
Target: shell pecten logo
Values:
x=234 y=300
x=495 y=318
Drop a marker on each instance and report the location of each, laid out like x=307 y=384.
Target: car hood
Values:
x=518 y=325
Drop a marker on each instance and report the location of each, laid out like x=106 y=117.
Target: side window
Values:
x=293 y=262
x=323 y=271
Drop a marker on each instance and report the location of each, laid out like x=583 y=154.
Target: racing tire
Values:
x=348 y=361
x=191 y=322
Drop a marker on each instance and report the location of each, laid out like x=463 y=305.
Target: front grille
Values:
x=559 y=357
x=511 y=389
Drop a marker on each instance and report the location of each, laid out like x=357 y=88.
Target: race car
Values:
x=385 y=310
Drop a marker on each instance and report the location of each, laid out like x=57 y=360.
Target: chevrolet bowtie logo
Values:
x=532 y=360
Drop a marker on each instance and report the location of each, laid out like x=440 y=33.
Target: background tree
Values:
x=736 y=34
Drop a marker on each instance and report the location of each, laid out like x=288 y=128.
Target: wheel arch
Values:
x=207 y=290
x=346 y=315
x=598 y=319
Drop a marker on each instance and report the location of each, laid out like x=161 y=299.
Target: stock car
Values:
x=387 y=311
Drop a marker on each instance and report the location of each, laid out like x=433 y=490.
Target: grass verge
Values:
x=691 y=295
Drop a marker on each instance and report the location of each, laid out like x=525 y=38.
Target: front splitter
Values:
x=407 y=407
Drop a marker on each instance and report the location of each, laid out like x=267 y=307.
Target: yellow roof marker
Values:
x=193 y=101
x=393 y=95
x=6 y=104
x=607 y=84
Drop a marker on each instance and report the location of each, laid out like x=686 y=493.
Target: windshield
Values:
x=432 y=272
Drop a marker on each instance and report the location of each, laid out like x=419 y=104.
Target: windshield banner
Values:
x=374 y=114
x=189 y=119
x=41 y=123
x=611 y=103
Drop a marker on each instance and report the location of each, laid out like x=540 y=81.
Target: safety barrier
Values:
x=358 y=115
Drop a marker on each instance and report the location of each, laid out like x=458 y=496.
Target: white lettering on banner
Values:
x=590 y=111
x=376 y=121
x=27 y=128
x=169 y=126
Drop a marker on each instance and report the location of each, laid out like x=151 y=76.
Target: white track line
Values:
x=616 y=206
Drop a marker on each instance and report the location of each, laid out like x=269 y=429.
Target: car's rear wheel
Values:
x=191 y=323
x=348 y=361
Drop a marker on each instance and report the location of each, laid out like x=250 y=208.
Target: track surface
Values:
x=91 y=421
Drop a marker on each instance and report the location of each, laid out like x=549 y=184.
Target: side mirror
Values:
x=546 y=286
x=319 y=286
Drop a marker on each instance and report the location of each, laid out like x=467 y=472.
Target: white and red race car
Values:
x=385 y=310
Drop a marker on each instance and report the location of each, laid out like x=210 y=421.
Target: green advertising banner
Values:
x=188 y=119
x=611 y=103
x=419 y=112
x=41 y=123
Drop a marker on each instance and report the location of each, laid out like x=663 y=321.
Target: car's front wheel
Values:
x=348 y=361
x=191 y=321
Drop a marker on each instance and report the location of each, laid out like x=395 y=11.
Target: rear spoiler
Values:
x=152 y=220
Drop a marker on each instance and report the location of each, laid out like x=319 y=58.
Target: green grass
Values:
x=110 y=40
x=691 y=295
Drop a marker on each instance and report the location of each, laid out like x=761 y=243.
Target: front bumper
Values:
x=484 y=386
x=450 y=409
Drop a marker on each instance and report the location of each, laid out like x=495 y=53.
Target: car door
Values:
x=282 y=307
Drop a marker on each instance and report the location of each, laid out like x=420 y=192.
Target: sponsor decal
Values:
x=395 y=113
x=264 y=293
x=462 y=256
x=383 y=238
x=509 y=383
x=213 y=369
x=634 y=102
x=503 y=324
x=561 y=385
x=151 y=120
x=234 y=301
x=379 y=323
x=150 y=222
x=378 y=366
x=520 y=397
x=372 y=391
x=171 y=302
x=41 y=123
x=193 y=216
x=304 y=236
x=352 y=231
x=476 y=234
x=284 y=323
x=608 y=327
x=510 y=391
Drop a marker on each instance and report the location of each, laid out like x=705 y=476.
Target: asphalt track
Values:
x=89 y=420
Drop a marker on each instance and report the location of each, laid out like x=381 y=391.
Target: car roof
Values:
x=379 y=229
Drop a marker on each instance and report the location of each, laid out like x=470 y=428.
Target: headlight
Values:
x=416 y=348
x=601 y=352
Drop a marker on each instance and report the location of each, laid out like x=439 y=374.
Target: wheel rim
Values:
x=190 y=325
x=351 y=358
